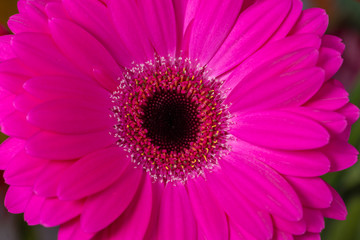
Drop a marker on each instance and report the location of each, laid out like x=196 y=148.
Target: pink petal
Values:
x=67 y=147
x=176 y=220
x=15 y=125
x=106 y=79
x=242 y=212
x=48 y=180
x=39 y=52
x=71 y=116
x=25 y=102
x=100 y=25
x=313 y=192
x=238 y=233
x=257 y=23
x=330 y=60
x=6 y=51
x=6 y=104
x=8 y=149
x=249 y=73
x=133 y=223
x=341 y=154
x=23 y=169
x=16 y=67
x=280 y=235
x=78 y=183
x=297 y=227
x=308 y=236
x=313 y=20
x=294 y=163
x=337 y=209
x=180 y=12
x=159 y=18
x=103 y=208
x=280 y=130
x=289 y=21
x=209 y=215
x=157 y=191
x=84 y=51
x=213 y=21
x=330 y=97
x=55 y=211
x=72 y=230
x=286 y=90
x=258 y=185
x=17 y=198
x=314 y=220
x=12 y=82
x=333 y=121
x=54 y=87
x=33 y=210
x=129 y=24
x=30 y=19
x=351 y=112
x=56 y=10
x=334 y=42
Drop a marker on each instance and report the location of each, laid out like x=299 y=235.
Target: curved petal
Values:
x=130 y=27
x=337 y=209
x=72 y=230
x=286 y=90
x=23 y=169
x=159 y=18
x=314 y=220
x=100 y=25
x=84 y=51
x=17 y=198
x=8 y=149
x=176 y=220
x=294 y=163
x=313 y=192
x=257 y=223
x=71 y=116
x=213 y=21
x=133 y=223
x=55 y=211
x=313 y=20
x=209 y=215
x=39 y=52
x=257 y=23
x=33 y=210
x=103 y=208
x=280 y=130
x=54 y=87
x=91 y=174
x=264 y=187
x=67 y=147
x=48 y=180
x=15 y=125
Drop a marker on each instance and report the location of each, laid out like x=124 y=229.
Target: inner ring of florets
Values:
x=171 y=118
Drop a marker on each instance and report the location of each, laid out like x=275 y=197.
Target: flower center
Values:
x=171 y=119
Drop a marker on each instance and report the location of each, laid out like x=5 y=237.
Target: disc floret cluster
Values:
x=171 y=118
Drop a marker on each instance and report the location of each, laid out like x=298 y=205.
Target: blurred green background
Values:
x=345 y=23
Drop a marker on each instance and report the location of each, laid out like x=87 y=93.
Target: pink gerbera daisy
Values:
x=173 y=119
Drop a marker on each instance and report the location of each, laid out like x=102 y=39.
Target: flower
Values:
x=173 y=119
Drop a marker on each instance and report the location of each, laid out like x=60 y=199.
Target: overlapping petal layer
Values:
x=291 y=120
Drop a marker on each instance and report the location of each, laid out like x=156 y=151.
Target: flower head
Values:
x=173 y=119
